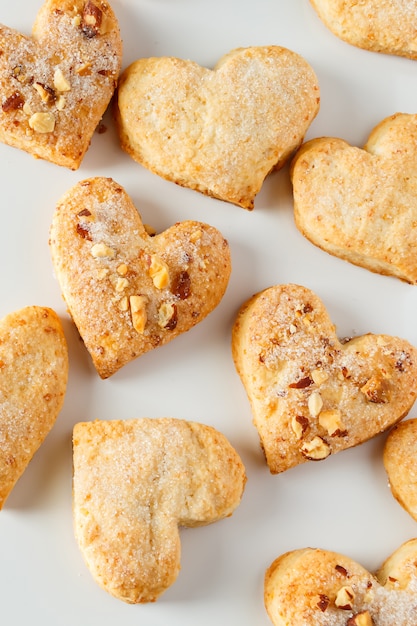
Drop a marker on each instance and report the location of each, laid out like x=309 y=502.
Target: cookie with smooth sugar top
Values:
x=220 y=131
x=361 y=204
x=33 y=380
x=315 y=587
x=387 y=26
x=400 y=461
x=127 y=291
x=56 y=84
x=311 y=394
x=135 y=483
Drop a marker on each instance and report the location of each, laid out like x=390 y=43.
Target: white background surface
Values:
x=342 y=504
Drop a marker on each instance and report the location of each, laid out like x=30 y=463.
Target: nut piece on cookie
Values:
x=314 y=586
x=32 y=348
x=219 y=131
x=49 y=106
x=360 y=204
x=127 y=291
x=311 y=394
x=387 y=26
x=135 y=483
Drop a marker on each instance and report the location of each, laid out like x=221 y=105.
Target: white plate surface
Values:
x=342 y=504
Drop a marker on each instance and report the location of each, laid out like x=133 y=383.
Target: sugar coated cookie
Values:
x=33 y=380
x=217 y=131
x=56 y=85
x=360 y=204
x=400 y=460
x=314 y=587
x=312 y=395
x=388 y=26
x=135 y=483
x=127 y=291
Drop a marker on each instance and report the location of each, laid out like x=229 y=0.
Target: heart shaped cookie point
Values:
x=33 y=379
x=314 y=586
x=135 y=483
x=217 y=131
x=57 y=84
x=129 y=292
x=360 y=204
x=387 y=26
x=311 y=395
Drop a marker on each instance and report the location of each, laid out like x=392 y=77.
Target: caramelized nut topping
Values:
x=42 y=122
x=302 y=383
x=181 y=286
x=316 y=449
x=167 y=316
x=122 y=269
x=138 y=313
x=376 y=390
x=13 y=102
x=100 y=251
x=299 y=424
x=344 y=598
x=122 y=284
x=319 y=376
x=315 y=404
x=60 y=82
x=331 y=421
x=323 y=602
x=124 y=304
x=342 y=570
x=91 y=20
x=83 y=232
x=18 y=72
x=361 y=619
x=46 y=93
x=158 y=271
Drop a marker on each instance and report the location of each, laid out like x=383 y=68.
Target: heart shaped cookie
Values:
x=56 y=85
x=33 y=380
x=312 y=395
x=313 y=586
x=400 y=460
x=217 y=131
x=360 y=204
x=129 y=292
x=387 y=26
x=135 y=482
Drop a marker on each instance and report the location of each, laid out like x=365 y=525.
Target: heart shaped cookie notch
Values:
x=400 y=454
x=33 y=380
x=314 y=586
x=360 y=204
x=387 y=26
x=135 y=483
x=311 y=395
x=220 y=131
x=56 y=85
x=127 y=291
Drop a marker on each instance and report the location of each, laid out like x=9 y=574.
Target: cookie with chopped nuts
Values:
x=311 y=394
x=33 y=380
x=315 y=586
x=387 y=26
x=220 y=131
x=400 y=461
x=135 y=483
x=56 y=85
x=360 y=204
x=127 y=291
